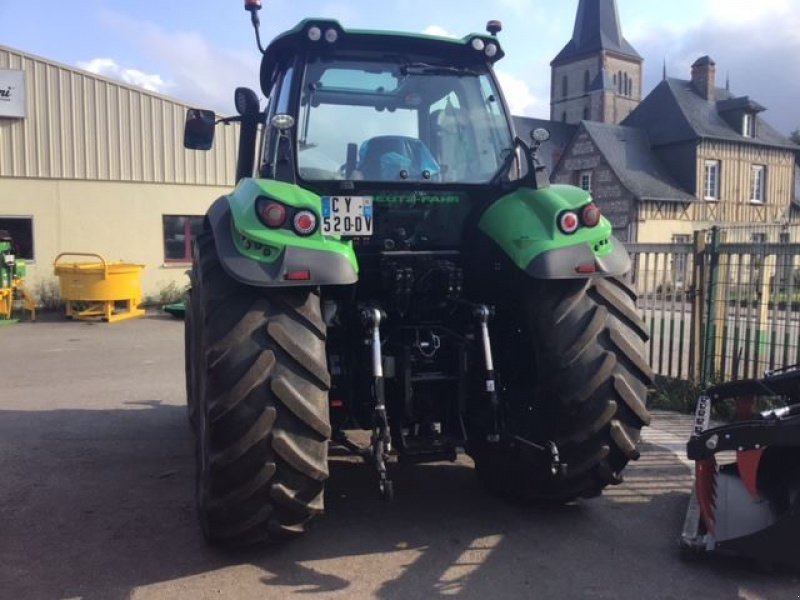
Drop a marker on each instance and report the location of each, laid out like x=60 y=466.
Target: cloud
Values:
x=517 y=6
x=743 y=12
x=520 y=98
x=756 y=44
x=438 y=30
x=108 y=67
x=199 y=73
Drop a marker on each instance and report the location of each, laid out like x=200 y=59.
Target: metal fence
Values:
x=725 y=305
x=663 y=276
x=753 y=301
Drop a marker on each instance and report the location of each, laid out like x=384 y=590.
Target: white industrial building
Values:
x=89 y=164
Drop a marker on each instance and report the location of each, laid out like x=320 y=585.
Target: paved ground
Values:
x=96 y=478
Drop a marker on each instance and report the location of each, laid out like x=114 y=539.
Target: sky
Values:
x=198 y=51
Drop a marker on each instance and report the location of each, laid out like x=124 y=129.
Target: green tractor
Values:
x=393 y=259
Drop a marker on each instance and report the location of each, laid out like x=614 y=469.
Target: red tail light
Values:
x=273 y=214
x=298 y=276
x=568 y=222
x=590 y=215
x=305 y=222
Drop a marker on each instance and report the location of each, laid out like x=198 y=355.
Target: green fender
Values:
x=252 y=253
x=524 y=224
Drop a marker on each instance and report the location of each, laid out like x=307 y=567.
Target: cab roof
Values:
x=456 y=51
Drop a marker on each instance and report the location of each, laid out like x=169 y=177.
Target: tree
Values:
x=795 y=136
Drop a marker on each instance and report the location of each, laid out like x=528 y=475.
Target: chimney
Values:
x=704 y=72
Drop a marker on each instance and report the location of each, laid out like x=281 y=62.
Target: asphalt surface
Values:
x=96 y=502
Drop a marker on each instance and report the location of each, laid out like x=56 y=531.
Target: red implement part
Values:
x=706 y=488
x=747 y=463
x=744 y=408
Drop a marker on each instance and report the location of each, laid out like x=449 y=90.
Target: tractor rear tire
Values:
x=260 y=383
x=190 y=360
x=586 y=391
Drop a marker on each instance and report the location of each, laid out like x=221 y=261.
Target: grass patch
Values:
x=681 y=396
x=170 y=293
x=673 y=394
x=47 y=295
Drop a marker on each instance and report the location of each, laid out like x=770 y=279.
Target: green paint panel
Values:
x=524 y=223
x=242 y=202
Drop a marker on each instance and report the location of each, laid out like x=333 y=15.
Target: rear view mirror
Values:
x=198 y=132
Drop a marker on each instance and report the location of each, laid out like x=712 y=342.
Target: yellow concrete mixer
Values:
x=98 y=289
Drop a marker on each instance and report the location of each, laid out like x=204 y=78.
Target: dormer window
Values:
x=749 y=125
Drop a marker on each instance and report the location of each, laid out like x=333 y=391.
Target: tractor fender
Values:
x=324 y=268
x=580 y=261
x=524 y=225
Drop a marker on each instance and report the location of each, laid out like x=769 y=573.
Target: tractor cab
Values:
x=391 y=111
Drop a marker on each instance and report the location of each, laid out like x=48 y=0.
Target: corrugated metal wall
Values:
x=79 y=126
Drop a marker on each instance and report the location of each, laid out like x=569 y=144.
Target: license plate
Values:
x=347 y=215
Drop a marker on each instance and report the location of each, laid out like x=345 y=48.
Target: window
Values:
x=586 y=114
x=179 y=233
x=748 y=125
x=21 y=231
x=757 y=258
x=586 y=81
x=585 y=181
x=619 y=82
x=564 y=117
x=784 y=263
x=757 y=183
x=711 y=181
x=422 y=124
x=679 y=259
x=626 y=81
x=564 y=87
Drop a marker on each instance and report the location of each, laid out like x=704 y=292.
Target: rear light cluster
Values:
x=570 y=221
x=277 y=215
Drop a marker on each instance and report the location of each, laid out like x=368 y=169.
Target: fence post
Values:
x=709 y=347
x=761 y=354
x=698 y=295
x=718 y=304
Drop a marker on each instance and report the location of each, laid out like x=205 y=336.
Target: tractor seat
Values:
x=387 y=157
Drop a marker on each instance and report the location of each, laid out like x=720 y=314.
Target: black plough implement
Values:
x=746 y=497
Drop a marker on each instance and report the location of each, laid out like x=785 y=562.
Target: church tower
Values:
x=598 y=74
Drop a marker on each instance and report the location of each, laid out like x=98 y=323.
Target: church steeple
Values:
x=597 y=76
x=597 y=28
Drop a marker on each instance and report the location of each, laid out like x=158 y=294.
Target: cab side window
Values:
x=278 y=103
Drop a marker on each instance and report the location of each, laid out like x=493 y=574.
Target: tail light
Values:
x=298 y=276
x=590 y=215
x=568 y=222
x=273 y=214
x=305 y=222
